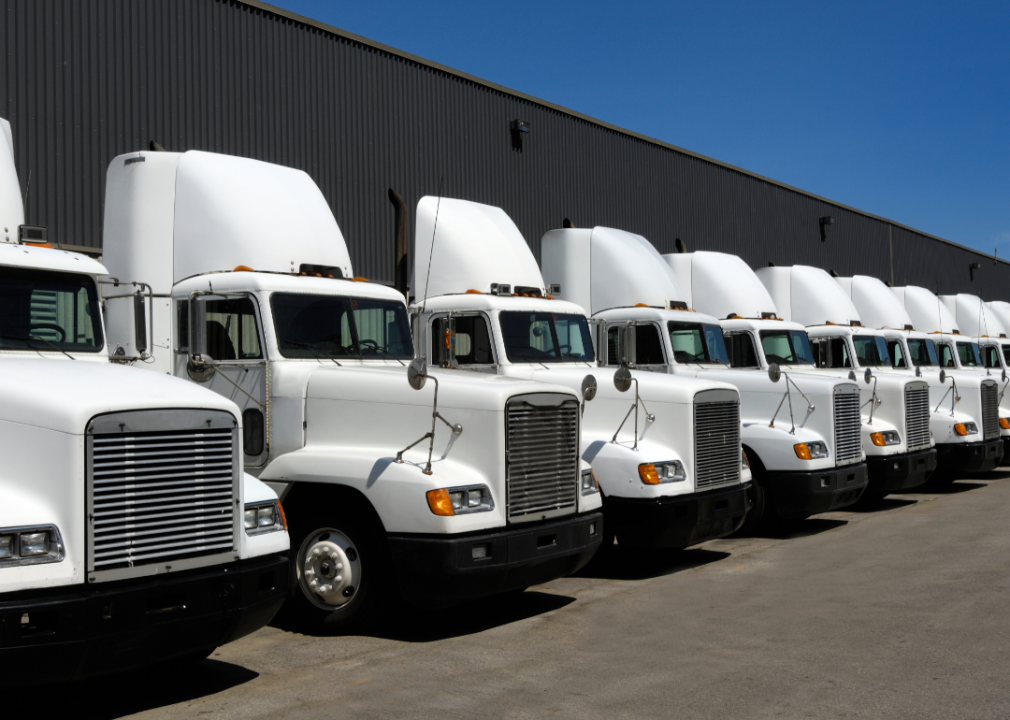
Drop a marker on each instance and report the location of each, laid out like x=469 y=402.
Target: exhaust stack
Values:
x=400 y=253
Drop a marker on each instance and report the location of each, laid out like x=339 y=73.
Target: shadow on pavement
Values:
x=790 y=530
x=950 y=488
x=875 y=505
x=639 y=564
x=121 y=695
x=411 y=624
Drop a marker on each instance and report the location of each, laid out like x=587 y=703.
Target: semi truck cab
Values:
x=666 y=451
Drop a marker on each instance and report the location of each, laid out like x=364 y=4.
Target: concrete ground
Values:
x=897 y=611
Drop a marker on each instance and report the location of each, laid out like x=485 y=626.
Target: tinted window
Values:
x=832 y=352
x=330 y=326
x=697 y=343
x=231 y=330
x=990 y=356
x=472 y=340
x=946 y=355
x=897 y=352
x=871 y=351
x=1006 y=354
x=40 y=310
x=786 y=347
x=545 y=337
x=922 y=352
x=740 y=347
x=969 y=354
x=648 y=346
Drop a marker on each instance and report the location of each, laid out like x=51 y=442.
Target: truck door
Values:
x=233 y=346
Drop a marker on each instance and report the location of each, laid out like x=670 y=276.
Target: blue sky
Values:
x=899 y=109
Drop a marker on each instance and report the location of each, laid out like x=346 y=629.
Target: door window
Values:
x=740 y=347
x=897 y=353
x=472 y=339
x=946 y=355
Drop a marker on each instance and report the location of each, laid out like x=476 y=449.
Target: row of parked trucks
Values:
x=487 y=426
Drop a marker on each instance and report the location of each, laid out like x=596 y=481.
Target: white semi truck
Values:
x=893 y=425
x=666 y=450
x=129 y=535
x=975 y=443
x=398 y=479
x=912 y=351
x=621 y=279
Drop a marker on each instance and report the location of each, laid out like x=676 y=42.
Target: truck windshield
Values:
x=871 y=351
x=922 y=352
x=697 y=343
x=969 y=354
x=331 y=326
x=787 y=347
x=545 y=337
x=48 y=311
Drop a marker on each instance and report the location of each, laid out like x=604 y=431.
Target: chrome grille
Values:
x=990 y=410
x=161 y=494
x=716 y=444
x=848 y=423
x=917 y=416
x=542 y=455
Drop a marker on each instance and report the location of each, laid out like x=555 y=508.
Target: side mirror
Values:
x=588 y=388
x=626 y=345
x=774 y=373
x=140 y=323
x=445 y=342
x=867 y=376
x=622 y=379
x=417 y=373
x=600 y=333
x=1004 y=375
x=943 y=376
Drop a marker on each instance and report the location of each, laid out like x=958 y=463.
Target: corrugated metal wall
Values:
x=86 y=80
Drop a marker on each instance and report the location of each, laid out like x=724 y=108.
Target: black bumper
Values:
x=969 y=457
x=900 y=472
x=678 y=521
x=63 y=634
x=1006 y=449
x=436 y=571
x=800 y=494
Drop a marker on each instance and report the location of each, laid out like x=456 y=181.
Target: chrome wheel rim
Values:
x=329 y=569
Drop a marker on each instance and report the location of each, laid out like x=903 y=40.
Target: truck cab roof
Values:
x=255 y=281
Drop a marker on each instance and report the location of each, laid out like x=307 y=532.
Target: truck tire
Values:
x=760 y=513
x=339 y=574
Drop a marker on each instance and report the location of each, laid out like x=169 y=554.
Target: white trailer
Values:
x=621 y=279
x=666 y=450
x=397 y=480
x=129 y=534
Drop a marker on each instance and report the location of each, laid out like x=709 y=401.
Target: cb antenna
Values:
x=431 y=250
x=28 y=188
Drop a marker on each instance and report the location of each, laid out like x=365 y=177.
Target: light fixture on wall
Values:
x=824 y=222
x=972 y=267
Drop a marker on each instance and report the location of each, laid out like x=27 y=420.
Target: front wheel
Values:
x=339 y=576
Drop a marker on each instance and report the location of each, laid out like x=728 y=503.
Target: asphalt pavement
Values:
x=900 y=610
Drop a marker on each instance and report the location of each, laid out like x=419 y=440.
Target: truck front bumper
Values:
x=969 y=457
x=900 y=472
x=679 y=521
x=439 y=571
x=62 y=634
x=801 y=494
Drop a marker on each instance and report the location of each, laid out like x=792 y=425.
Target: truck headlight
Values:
x=887 y=437
x=664 y=472
x=260 y=518
x=30 y=545
x=460 y=500
x=589 y=483
x=968 y=428
x=811 y=450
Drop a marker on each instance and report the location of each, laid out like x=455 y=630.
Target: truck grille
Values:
x=917 y=416
x=848 y=423
x=990 y=410
x=542 y=455
x=158 y=494
x=716 y=444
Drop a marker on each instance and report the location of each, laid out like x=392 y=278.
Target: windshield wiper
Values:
x=313 y=349
x=524 y=356
x=28 y=341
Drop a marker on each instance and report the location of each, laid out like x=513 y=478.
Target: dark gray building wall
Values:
x=84 y=80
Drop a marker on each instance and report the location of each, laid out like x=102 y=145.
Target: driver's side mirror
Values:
x=198 y=366
x=445 y=342
x=140 y=323
x=626 y=349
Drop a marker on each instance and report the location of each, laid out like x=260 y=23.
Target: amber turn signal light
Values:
x=1004 y=423
x=648 y=474
x=960 y=429
x=802 y=451
x=440 y=503
x=878 y=439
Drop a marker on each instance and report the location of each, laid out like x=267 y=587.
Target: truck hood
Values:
x=652 y=386
x=62 y=395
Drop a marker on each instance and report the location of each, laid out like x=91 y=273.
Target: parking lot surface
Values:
x=900 y=610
